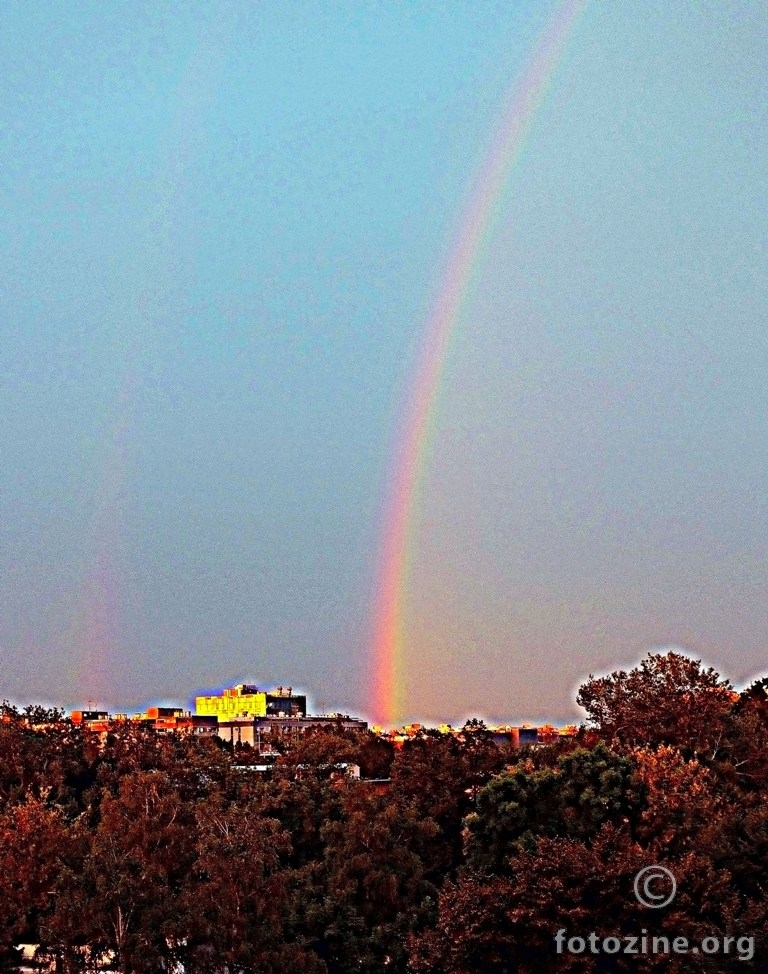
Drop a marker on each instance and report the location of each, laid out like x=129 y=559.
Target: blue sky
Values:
x=221 y=227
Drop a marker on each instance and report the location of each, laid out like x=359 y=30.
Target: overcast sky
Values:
x=221 y=228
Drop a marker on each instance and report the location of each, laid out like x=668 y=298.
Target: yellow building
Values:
x=239 y=701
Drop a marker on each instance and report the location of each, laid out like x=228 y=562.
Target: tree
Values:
x=508 y=924
x=585 y=789
x=35 y=846
x=373 y=884
x=737 y=840
x=676 y=799
x=36 y=759
x=668 y=699
x=742 y=758
x=235 y=904
x=141 y=852
x=437 y=776
x=375 y=755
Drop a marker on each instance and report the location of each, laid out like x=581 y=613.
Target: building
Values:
x=246 y=700
x=98 y=721
x=186 y=724
x=262 y=733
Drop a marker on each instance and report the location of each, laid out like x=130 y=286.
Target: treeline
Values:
x=163 y=854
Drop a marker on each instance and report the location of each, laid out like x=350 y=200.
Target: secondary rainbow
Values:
x=412 y=445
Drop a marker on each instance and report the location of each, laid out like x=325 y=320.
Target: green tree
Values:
x=585 y=789
x=437 y=776
x=374 y=889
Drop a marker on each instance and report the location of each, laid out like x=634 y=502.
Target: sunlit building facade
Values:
x=246 y=700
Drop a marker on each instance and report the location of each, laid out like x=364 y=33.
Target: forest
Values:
x=142 y=853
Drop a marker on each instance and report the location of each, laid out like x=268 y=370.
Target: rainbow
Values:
x=412 y=445
x=95 y=624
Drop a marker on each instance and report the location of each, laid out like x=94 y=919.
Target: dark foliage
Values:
x=154 y=853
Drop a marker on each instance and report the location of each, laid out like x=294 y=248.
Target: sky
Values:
x=222 y=227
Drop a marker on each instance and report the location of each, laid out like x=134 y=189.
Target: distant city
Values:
x=262 y=719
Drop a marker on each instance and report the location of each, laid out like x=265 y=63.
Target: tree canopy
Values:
x=155 y=853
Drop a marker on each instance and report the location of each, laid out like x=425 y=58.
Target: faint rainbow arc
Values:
x=412 y=446
x=97 y=624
